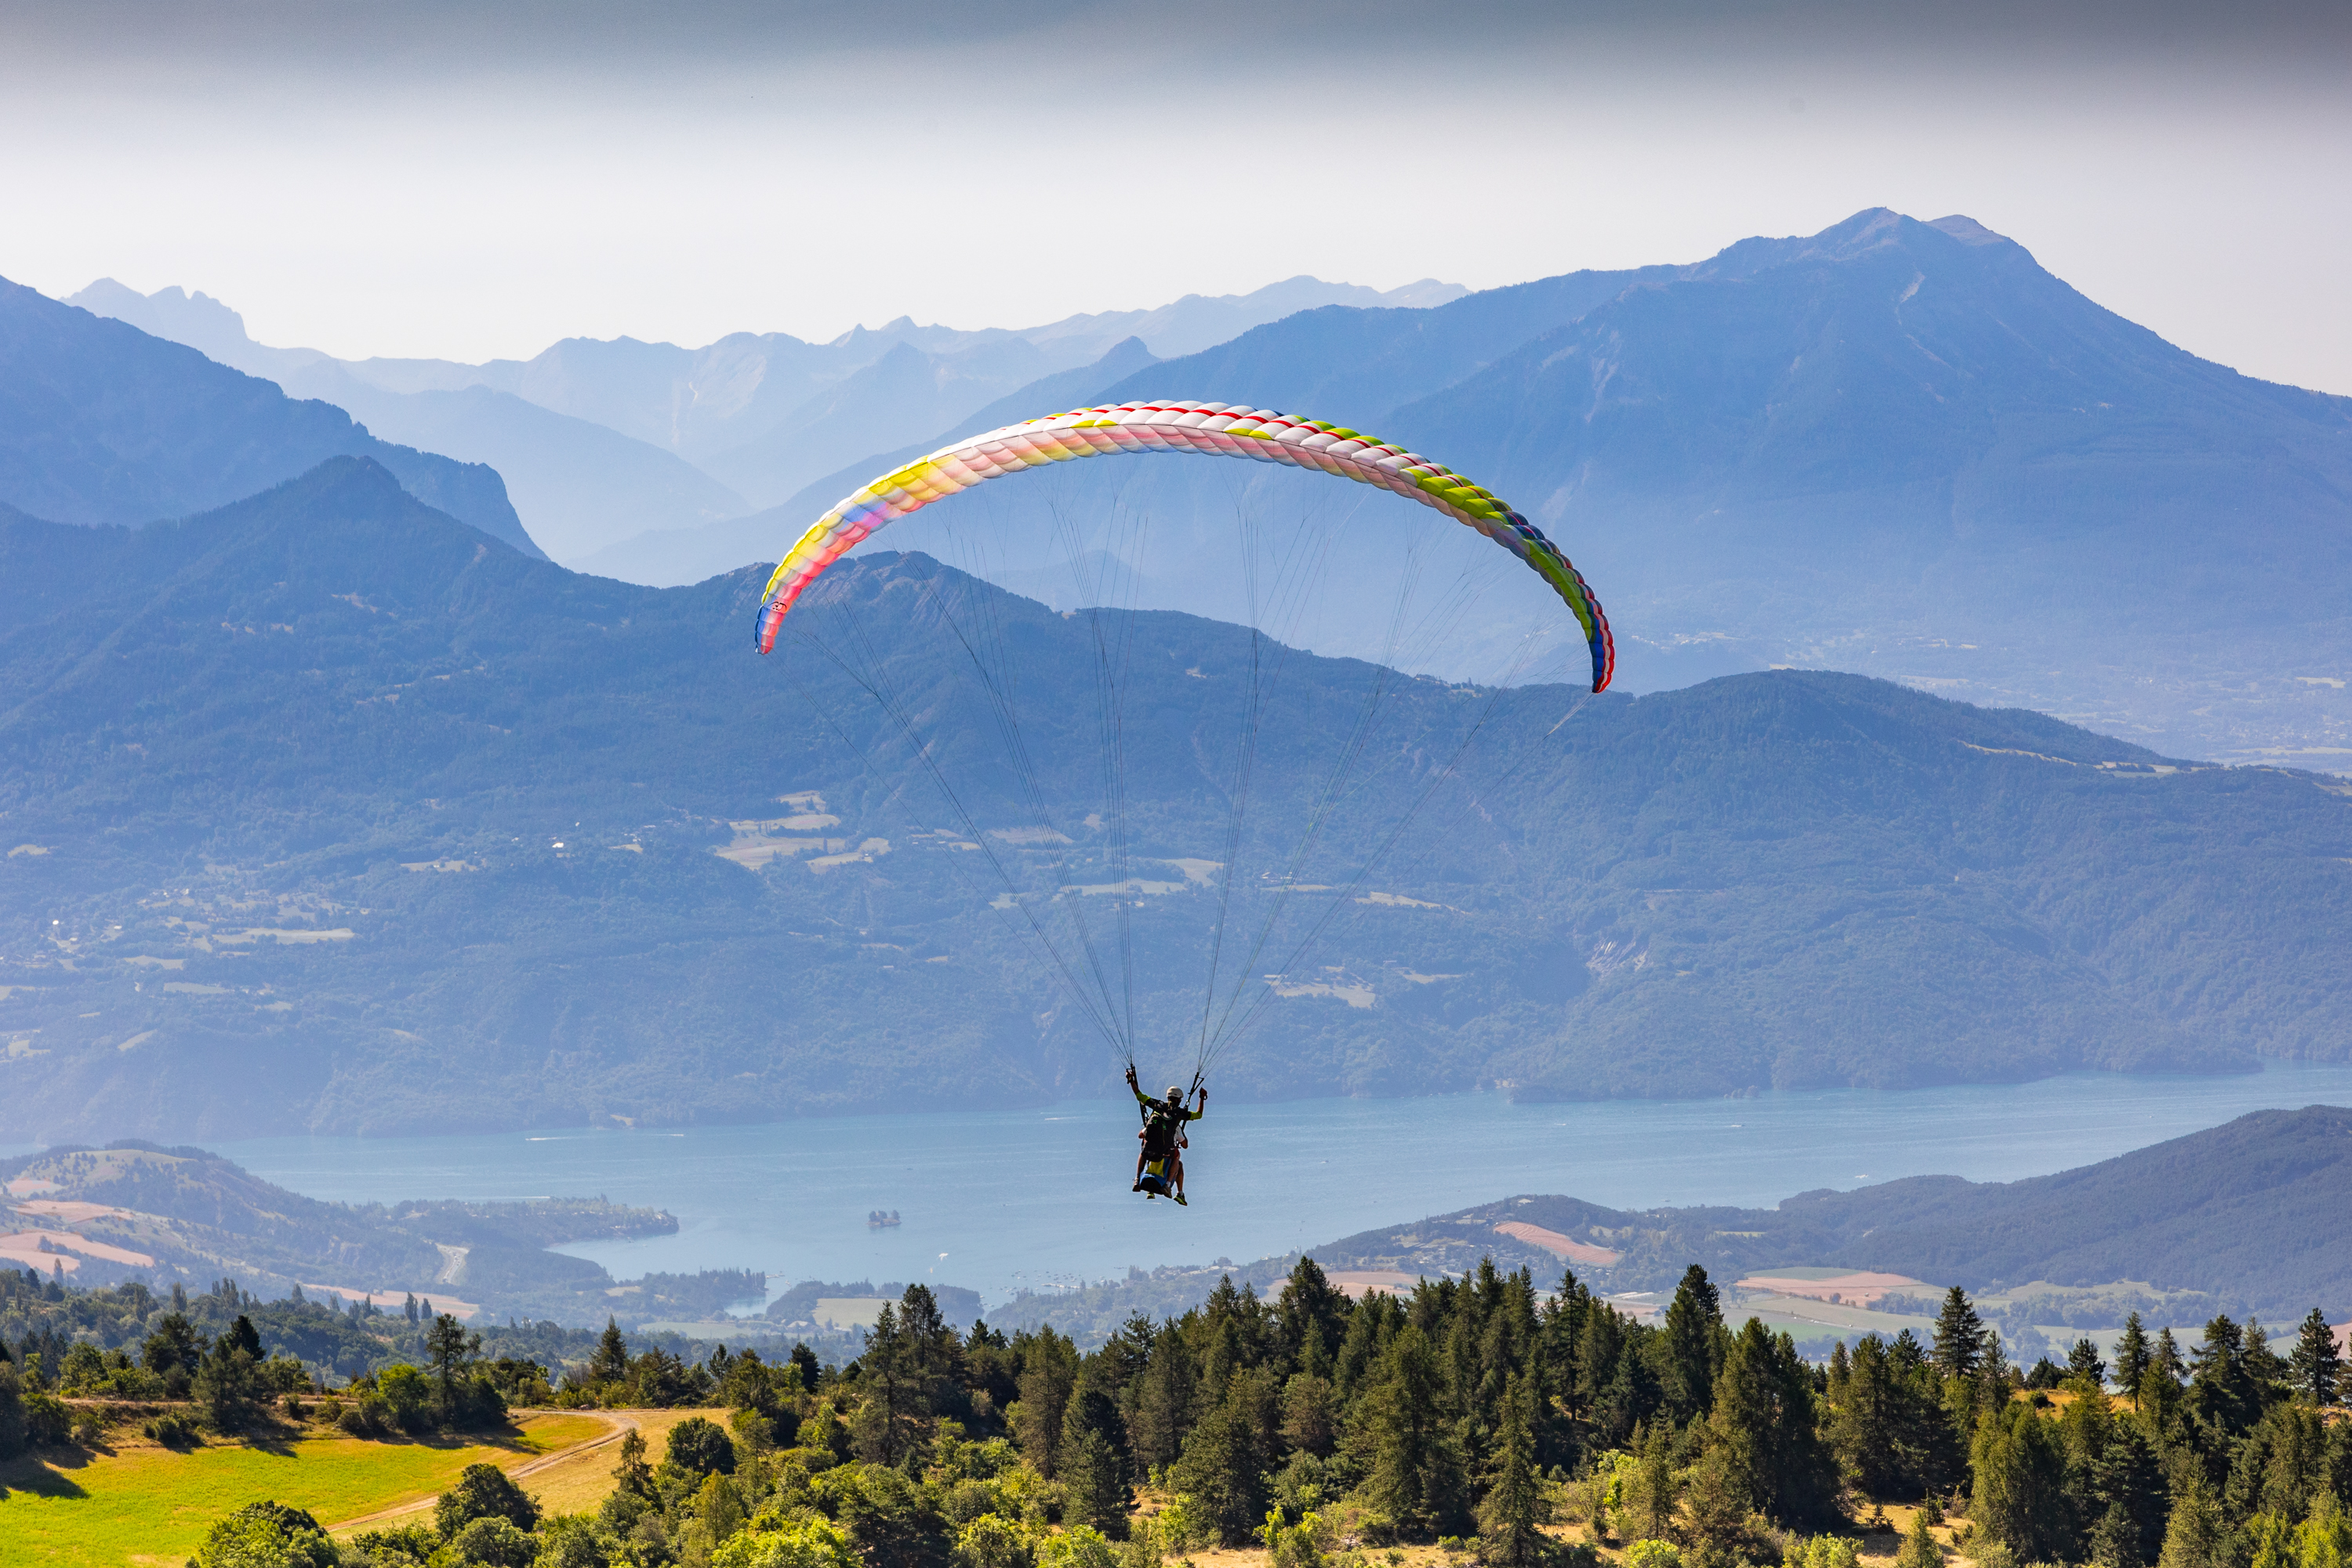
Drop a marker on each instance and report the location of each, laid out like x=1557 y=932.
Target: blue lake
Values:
x=1001 y=1200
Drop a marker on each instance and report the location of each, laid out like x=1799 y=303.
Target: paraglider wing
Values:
x=1212 y=428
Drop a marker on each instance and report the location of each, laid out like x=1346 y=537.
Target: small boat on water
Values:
x=878 y=1219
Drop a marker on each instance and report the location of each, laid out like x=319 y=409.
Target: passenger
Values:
x=1163 y=1133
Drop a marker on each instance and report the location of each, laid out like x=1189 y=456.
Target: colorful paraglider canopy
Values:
x=1213 y=429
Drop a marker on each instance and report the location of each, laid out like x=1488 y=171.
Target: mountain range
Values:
x=601 y=442
x=323 y=810
x=1898 y=447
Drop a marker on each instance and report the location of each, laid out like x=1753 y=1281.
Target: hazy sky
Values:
x=470 y=179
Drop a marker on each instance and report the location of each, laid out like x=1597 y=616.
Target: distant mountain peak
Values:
x=1969 y=231
x=1872 y=231
x=197 y=320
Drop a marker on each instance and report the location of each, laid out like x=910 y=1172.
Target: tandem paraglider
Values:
x=1094 y=955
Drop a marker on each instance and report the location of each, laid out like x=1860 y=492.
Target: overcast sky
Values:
x=471 y=180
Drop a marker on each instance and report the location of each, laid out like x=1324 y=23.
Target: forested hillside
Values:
x=1504 y=1425
x=326 y=811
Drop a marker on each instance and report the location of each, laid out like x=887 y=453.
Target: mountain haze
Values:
x=325 y=811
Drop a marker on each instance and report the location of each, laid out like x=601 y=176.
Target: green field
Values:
x=144 y=1505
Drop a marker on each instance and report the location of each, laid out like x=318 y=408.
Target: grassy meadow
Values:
x=137 y=1503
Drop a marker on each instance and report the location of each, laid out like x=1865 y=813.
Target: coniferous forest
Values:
x=1500 y=1425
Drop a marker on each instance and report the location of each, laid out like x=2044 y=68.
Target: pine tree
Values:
x=1653 y=1489
x=1921 y=1549
x=1225 y=1468
x=1416 y=1475
x=1093 y=1458
x=1160 y=1411
x=1694 y=1345
x=2084 y=1362
x=2316 y=1364
x=1514 y=1504
x=1959 y=1336
x=2168 y=1361
x=611 y=1361
x=2220 y=1392
x=1096 y=1495
x=2020 y=1496
x=1049 y=1372
x=1767 y=1421
x=451 y=1347
x=2196 y=1536
x=633 y=1476
x=2264 y=1366
x=2132 y=1358
x=2113 y=1543
x=2131 y=1479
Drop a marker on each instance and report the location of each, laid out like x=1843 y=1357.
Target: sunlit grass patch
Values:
x=141 y=1502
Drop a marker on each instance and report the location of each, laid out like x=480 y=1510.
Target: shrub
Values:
x=285 y=1375
x=171 y=1430
x=89 y=1429
x=754 y=1433
x=1076 y=1547
x=394 y=1547
x=48 y=1423
x=493 y=1543
x=771 y=1542
x=407 y=1395
x=482 y=1492
x=1299 y=1545
x=134 y=1383
x=1653 y=1554
x=83 y=1368
x=701 y=1448
x=267 y=1535
x=990 y=1541
x=569 y=1541
x=1184 y=1524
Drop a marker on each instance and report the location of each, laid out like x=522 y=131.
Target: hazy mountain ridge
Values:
x=602 y=441
x=101 y=423
x=1898 y=447
x=416 y=831
x=2240 y=1217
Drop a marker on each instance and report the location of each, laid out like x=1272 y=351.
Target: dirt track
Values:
x=618 y=1423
